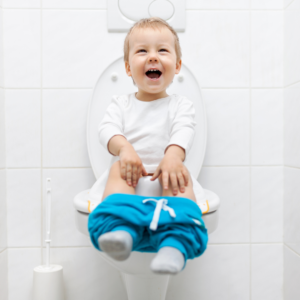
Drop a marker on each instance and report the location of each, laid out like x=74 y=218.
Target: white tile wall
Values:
x=266 y=204
x=222 y=272
x=86 y=275
x=63 y=49
x=219 y=56
x=65 y=185
x=291 y=274
x=1 y=49
x=267 y=268
x=2 y=129
x=267 y=137
x=228 y=127
x=24 y=208
x=64 y=128
x=217 y=4
x=96 y=4
x=3 y=276
x=231 y=184
x=266 y=49
x=21 y=3
x=23 y=128
x=287 y=2
x=292 y=208
x=77 y=47
x=22 y=48
x=266 y=4
x=3 y=213
x=291 y=150
x=21 y=263
x=292 y=43
x=292 y=126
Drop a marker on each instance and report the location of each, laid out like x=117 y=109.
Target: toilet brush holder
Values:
x=48 y=283
x=48 y=279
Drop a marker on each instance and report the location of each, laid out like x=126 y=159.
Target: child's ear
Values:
x=127 y=68
x=178 y=66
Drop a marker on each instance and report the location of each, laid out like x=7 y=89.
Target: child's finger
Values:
x=156 y=174
x=165 y=180
x=128 y=173
x=123 y=170
x=144 y=172
x=186 y=177
x=181 y=182
x=134 y=175
x=174 y=183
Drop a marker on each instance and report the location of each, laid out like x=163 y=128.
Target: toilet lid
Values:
x=114 y=81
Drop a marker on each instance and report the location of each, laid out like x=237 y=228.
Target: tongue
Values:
x=153 y=75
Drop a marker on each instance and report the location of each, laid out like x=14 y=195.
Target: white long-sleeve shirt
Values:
x=150 y=127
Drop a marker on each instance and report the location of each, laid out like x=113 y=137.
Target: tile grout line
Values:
x=41 y=116
x=289 y=4
x=292 y=250
x=250 y=161
x=283 y=147
x=5 y=150
x=3 y=250
x=283 y=84
x=291 y=84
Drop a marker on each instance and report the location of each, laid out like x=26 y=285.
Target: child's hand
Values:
x=131 y=165
x=172 y=168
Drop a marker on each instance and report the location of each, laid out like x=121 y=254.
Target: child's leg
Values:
x=188 y=190
x=118 y=242
x=115 y=183
x=171 y=257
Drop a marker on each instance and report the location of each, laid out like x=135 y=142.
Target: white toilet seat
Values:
x=83 y=203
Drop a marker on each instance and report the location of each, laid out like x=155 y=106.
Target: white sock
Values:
x=168 y=260
x=116 y=244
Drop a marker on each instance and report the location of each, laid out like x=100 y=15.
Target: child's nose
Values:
x=153 y=57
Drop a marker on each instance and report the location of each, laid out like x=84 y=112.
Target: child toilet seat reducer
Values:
x=153 y=222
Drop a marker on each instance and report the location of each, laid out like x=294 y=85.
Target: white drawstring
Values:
x=160 y=204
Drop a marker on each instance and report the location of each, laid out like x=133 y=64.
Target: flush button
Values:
x=122 y=14
x=161 y=8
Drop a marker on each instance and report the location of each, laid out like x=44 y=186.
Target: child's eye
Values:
x=141 y=50
x=162 y=50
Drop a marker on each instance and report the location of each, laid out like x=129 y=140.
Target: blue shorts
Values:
x=153 y=222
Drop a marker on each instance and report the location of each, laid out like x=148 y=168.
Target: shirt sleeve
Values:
x=183 y=125
x=112 y=123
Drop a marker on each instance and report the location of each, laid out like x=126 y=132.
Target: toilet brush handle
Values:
x=48 y=218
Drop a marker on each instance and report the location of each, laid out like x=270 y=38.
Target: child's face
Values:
x=149 y=48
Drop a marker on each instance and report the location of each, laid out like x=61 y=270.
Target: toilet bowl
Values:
x=139 y=280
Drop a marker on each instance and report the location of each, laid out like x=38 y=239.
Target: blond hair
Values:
x=154 y=23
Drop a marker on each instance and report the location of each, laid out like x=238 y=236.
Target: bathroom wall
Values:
x=54 y=52
x=3 y=219
x=291 y=150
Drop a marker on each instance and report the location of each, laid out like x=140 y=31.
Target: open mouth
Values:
x=153 y=74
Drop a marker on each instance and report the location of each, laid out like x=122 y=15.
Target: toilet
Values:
x=140 y=282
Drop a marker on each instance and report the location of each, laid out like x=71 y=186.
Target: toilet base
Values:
x=146 y=287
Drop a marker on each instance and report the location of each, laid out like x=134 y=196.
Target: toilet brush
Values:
x=48 y=279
